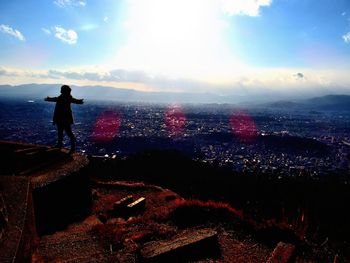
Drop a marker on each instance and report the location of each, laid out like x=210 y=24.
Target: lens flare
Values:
x=175 y=120
x=106 y=126
x=243 y=126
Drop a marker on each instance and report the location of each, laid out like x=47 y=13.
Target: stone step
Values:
x=202 y=243
x=71 y=247
x=38 y=160
x=31 y=150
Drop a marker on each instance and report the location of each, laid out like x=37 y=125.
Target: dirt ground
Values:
x=105 y=237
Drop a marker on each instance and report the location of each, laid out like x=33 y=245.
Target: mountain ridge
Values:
x=39 y=91
x=333 y=102
x=104 y=93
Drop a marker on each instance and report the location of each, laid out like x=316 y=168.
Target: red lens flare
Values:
x=175 y=120
x=243 y=126
x=106 y=126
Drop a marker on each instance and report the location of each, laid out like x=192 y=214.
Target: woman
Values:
x=63 y=116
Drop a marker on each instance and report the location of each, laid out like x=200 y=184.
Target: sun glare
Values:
x=176 y=38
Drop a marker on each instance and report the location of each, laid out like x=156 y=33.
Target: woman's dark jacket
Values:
x=63 y=113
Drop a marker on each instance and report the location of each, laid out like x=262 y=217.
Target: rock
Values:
x=282 y=253
x=102 y=217
x=95 y=195
x=120 y=206
x=92 y=220
x=116 y=221
x=190 y=245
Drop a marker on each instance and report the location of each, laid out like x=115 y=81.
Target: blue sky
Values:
x=183 y=45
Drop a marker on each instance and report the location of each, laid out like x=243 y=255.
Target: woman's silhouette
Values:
x=63 y=116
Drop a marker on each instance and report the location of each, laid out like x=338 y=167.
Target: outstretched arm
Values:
x=53 y=99
x=77 y=101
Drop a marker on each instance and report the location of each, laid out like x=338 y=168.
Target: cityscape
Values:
x=258 y=140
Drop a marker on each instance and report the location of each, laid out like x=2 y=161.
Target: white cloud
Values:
x=64 y=3
x=46 y=31
x=278 y=79
x=4 y=71
x=105 y=18
x=343 y=14
x=346 y=38
x=244 y=7
x=13 y=32
x=256 y=81
x=299 y=75
x=68 y=36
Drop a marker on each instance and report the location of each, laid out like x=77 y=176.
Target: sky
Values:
x=216 y=46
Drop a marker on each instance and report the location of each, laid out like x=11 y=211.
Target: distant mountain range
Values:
x=40 y=91
x=102 y=93
x=328 y=102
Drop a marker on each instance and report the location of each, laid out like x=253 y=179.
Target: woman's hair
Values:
x=65 y=89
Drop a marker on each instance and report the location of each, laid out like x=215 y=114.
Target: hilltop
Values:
x=111 y=209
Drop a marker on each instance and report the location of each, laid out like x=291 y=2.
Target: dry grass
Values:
x=194 y=212
x=137 y=231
